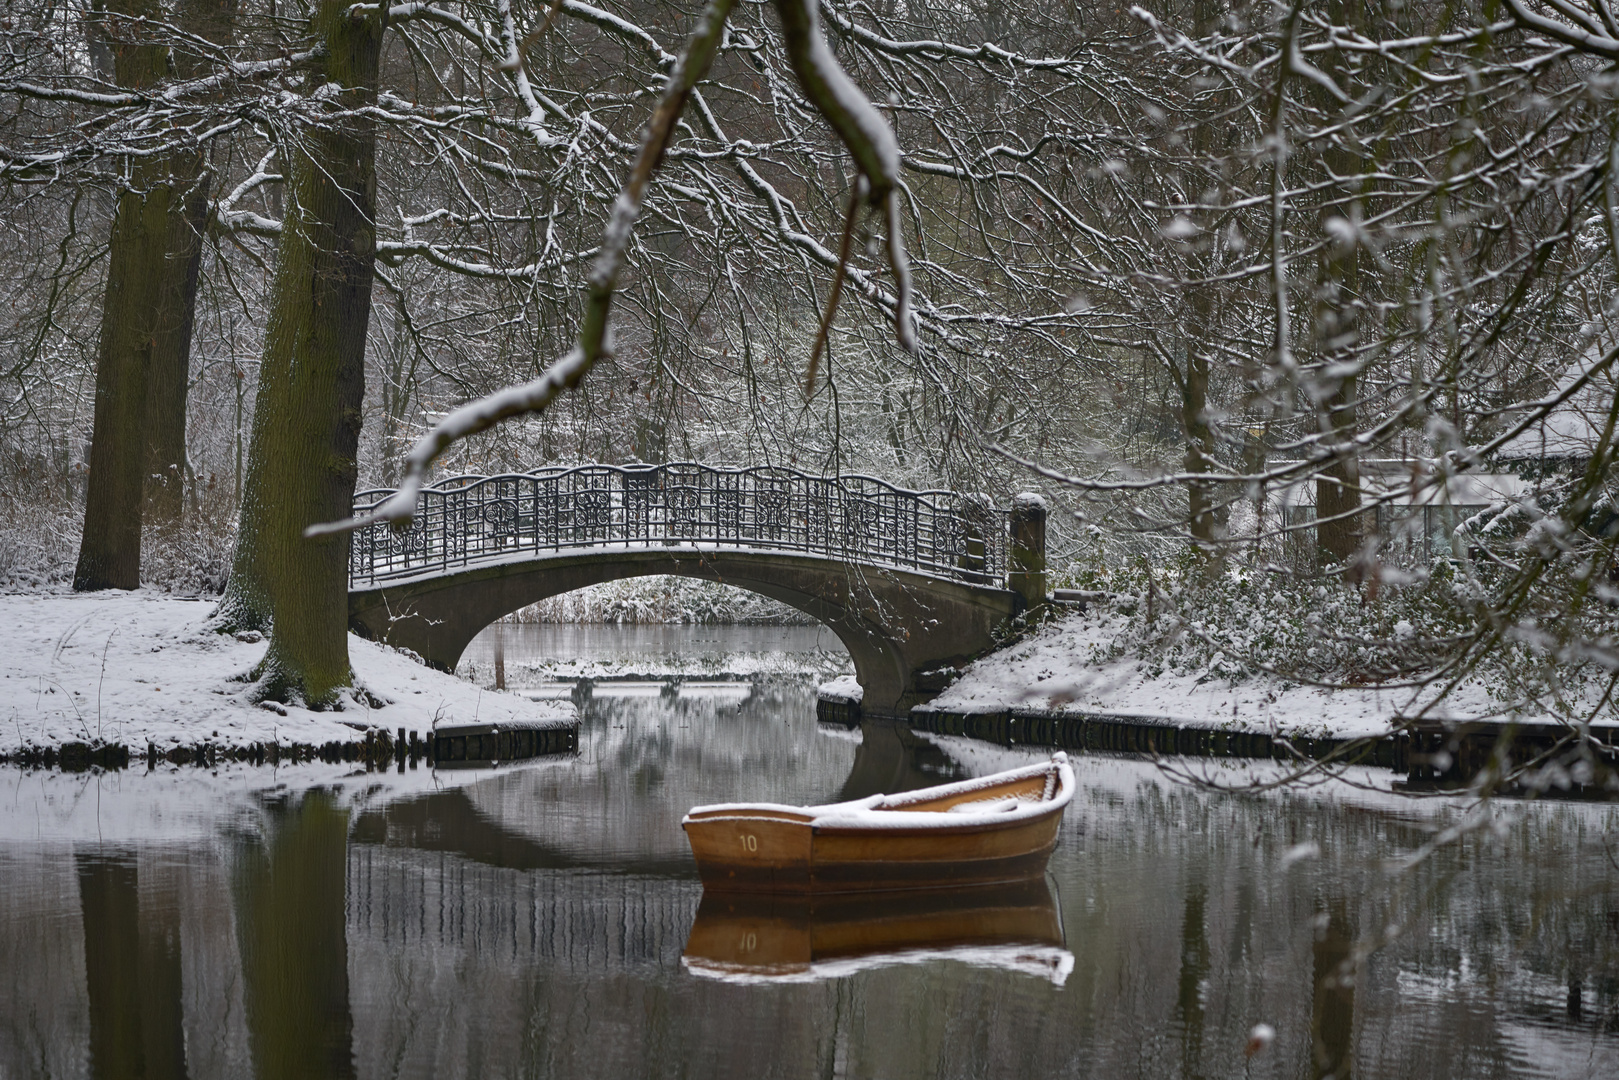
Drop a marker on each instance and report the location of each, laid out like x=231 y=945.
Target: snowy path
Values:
x=133 y=668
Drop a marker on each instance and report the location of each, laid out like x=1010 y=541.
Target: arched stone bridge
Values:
x=910 y=581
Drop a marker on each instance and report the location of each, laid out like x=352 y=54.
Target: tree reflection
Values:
x=290 y=923
x=1332 y=1017
x=132 y=972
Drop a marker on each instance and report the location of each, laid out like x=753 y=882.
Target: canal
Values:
x=546 y=920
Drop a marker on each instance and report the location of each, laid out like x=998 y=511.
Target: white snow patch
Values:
x=137 y=667
x=844 y=690
x=1063 y=668
x=1030 y=500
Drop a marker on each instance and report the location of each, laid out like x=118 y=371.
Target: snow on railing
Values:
x=466 y=520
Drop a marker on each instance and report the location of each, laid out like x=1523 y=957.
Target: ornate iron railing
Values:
x=468 y=520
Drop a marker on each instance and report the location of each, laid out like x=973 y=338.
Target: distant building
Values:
x=1415 y=520
x=1420 y=520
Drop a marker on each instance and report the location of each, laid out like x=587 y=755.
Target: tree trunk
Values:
x=110 y=547
x=169 y=374
x=169 y=378
x=306 y=427
x=1200 y=495
x=1338 y=298
x=144 y=360
x=1201 y=510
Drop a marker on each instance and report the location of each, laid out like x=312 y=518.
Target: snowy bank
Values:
x=138 y=667
x=1070 y=667
x=844 y=690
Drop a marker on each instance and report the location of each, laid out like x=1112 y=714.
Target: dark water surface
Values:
x=531 y=922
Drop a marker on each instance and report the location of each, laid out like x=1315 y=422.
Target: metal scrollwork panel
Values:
x=857 y=518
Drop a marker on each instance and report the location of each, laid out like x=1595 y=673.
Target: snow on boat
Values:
x=992 y=829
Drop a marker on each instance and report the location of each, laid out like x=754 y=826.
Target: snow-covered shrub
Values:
x=1393 y=628
x=39 y=541
x=39 y=545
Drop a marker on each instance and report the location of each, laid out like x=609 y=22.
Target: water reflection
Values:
x=132 y=971
x=288 y=894
x=775 y=938
x=534 y=923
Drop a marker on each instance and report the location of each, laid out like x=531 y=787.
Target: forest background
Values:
x=1239 y=286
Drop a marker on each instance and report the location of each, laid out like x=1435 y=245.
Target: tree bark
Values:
x=1338 y=297
x=110 y=547
x=168 y=376
x=137 y=447
x=1201 y=510
x=306 y=427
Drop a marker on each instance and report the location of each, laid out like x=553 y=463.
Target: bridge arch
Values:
x=910 y=582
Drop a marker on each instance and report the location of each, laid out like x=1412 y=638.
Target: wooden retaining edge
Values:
x=1153 y=735
x=1437 y=754
x=486 y=745
x=377 y=749
x=1131 y=734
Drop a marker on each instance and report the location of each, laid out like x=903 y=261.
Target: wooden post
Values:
x=500 y=656
x=1027 y=574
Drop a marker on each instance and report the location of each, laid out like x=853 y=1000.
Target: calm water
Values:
x=531 y=922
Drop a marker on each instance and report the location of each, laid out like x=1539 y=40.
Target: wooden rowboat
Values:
x=992 y=829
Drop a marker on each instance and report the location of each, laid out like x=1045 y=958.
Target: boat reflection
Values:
x=764 y=938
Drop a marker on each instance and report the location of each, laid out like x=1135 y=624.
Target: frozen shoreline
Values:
x=139 y=668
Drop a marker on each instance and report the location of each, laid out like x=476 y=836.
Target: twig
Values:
x=856 y=195
x=101 y=680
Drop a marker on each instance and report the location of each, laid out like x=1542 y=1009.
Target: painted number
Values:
x=750 y=842
x=750 y=942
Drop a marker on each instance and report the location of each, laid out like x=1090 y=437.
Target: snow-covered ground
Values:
x=1062 y=667
x=137 y=667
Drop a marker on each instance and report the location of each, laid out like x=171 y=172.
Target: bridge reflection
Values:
x=576 y=819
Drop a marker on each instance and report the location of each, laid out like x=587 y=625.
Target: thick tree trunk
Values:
x=306 y=427
x=144 y=359
x=110 y=548
x=169 y=374
x=169 y=377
